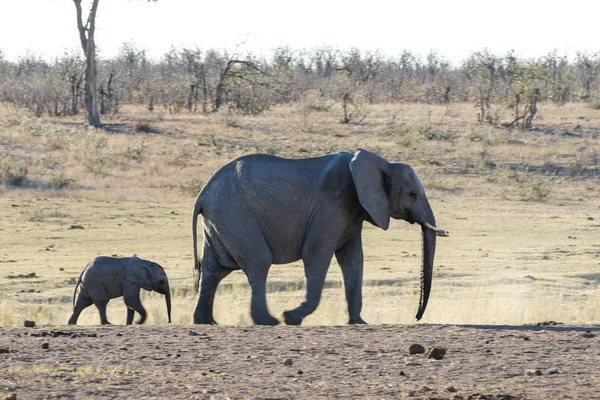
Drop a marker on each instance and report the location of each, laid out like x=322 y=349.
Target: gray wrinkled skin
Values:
x=260 y=210
x=105 y=278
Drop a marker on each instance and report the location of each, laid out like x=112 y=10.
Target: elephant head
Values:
x=387 y=190
x=151 y=276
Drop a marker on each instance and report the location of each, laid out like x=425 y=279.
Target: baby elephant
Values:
x=105 y=278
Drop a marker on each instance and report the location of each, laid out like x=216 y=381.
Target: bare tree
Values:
x=88 y=44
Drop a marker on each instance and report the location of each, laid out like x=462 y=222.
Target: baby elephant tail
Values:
x=77 y=286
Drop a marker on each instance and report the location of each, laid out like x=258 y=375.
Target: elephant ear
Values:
x=368 y=173
x=137 y=272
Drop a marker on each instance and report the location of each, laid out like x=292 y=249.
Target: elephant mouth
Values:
x=438 y=231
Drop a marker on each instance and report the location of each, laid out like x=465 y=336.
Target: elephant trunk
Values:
x=429 y=238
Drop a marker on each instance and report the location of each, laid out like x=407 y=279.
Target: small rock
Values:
x=590 y=218
x=437 y=353
x=12 y=396
x=76 y=227
x=45 y=345
x=416 y=349
x=29 y=324
x=288 y=361
x=450 y=389
x=4 y=350
x=588 y=334
x=553 y=371
x=402 y=373
x=369 y=366
x=533 y=372
x=300 y=372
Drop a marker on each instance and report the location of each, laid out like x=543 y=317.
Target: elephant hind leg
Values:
x=212 y=274
x=82 y=302
x=134 y=303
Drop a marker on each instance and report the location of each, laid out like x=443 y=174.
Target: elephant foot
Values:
x=291 y=318
x=205 y=321
x=213 y=322
x=72 y=321
x=357 y=321
x=266 y=320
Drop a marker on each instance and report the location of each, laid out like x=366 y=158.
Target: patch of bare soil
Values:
x=203 y=362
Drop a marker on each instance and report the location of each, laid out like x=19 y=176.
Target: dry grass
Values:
x=522 y=208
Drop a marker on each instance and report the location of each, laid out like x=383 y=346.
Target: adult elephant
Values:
x=260 y=210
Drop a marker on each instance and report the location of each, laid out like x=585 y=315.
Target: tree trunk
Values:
x=86 y=35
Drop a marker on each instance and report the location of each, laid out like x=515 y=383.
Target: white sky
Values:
x=453 y=28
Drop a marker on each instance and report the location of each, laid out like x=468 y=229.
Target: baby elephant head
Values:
x=150 y=276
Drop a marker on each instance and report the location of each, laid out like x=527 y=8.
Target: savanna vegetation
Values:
x=195 y=80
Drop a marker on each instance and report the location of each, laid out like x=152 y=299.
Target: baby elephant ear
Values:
x=137 y=272
x=368 y=173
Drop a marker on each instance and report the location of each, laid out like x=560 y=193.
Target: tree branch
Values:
x=80 y=26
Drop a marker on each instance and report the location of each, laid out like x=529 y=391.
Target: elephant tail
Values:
x=197 y=271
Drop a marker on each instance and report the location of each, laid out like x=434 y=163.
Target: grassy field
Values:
x=522 y=207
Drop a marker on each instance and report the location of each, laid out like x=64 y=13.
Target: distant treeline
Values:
x=195 y=80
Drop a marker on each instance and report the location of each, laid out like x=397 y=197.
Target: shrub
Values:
x=192 y=186
x=61 y=181
x=135 y=152
x=13 y=172
x=93 y=153
x=144 y=127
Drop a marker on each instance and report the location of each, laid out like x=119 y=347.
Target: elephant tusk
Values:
x=438 y=231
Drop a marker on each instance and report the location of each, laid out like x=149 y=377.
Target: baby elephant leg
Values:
x=101 y=305
x=130 y=314
x=133 y=303
x=82 y=302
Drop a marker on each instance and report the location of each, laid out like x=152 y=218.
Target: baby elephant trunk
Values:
x=163 y=288
x=168 y=300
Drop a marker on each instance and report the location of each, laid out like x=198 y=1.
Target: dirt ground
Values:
x=228 y=362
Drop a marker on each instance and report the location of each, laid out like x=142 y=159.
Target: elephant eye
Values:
x=413 y=196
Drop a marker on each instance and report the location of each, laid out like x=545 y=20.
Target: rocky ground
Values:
x=201 y=362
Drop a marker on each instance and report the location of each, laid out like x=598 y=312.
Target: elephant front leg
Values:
x=133 y=303
x=315 y=272
x=130 y=315
x=350 y=259
x=101 y=305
